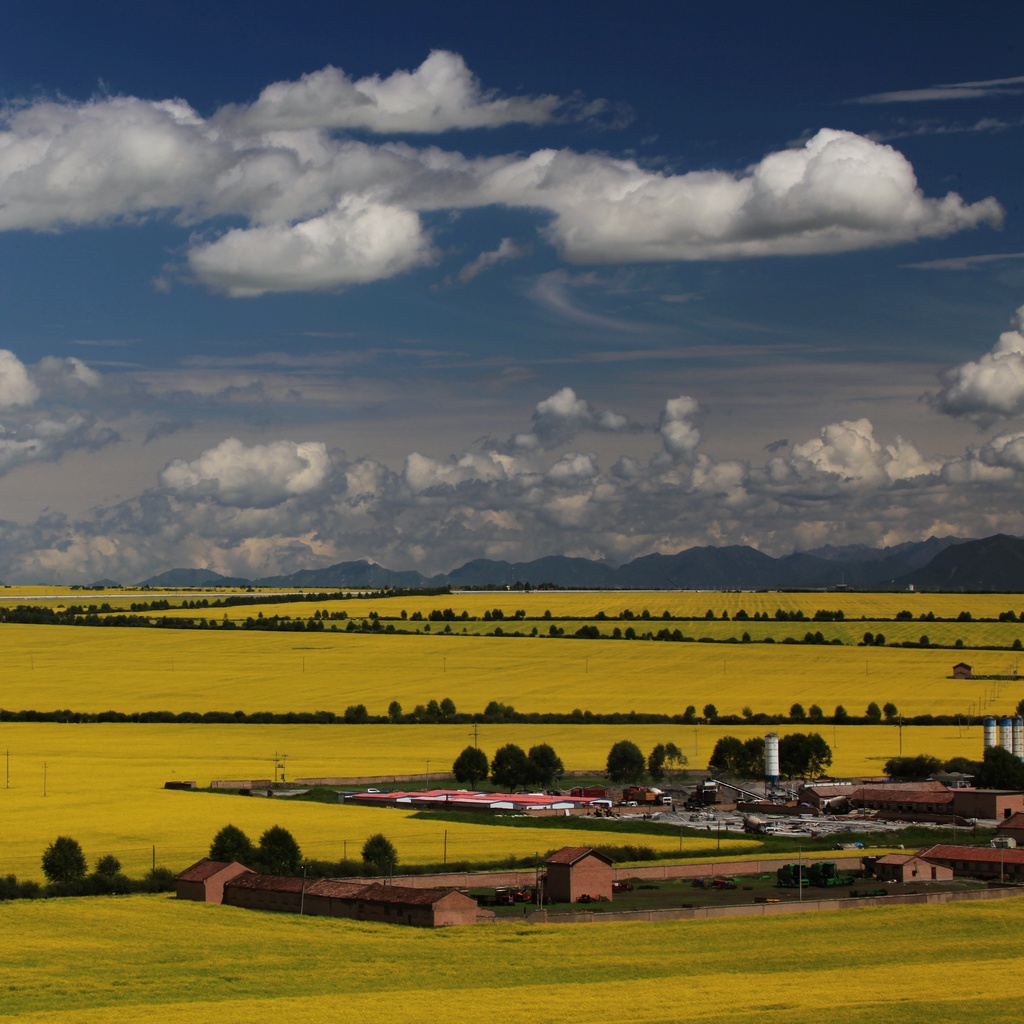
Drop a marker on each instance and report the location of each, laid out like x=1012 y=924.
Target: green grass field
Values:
x=154 y=959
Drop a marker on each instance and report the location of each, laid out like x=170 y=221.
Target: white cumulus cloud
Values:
x=257 y=476
x=439 y=95
x=990 y=387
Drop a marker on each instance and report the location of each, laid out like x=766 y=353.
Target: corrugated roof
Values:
x=404 y=894
x=269 y=883
x=330 y=888
x=923 y=793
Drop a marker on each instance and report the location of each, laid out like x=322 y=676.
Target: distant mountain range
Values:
x=939 y=563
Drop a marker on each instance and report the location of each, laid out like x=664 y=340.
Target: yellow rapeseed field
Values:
x=104 y=787
x=159 y=961
x=104 y=784
x=109 y=668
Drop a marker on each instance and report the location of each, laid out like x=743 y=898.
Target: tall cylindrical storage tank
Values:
x=1006 y=734
x=771 y=760
x=1018 y=737
x=990 y=732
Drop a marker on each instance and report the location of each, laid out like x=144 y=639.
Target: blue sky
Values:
x=287 y=285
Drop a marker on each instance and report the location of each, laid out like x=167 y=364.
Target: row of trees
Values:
x=67 y=874
x=999 y=769
x=277 y=852
x=801 y=755
x=511 y=766
x=627 y=764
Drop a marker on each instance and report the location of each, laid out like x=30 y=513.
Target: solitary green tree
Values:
x=278 y=853
x=510 y=767
x=656 y=762
x=108 y=866
x=470 y=766
x=874 y=712
x=63 y=860
x=379 y=854
x=921 y=766
x=544 y=766
x=626 y=762
x=231 y=843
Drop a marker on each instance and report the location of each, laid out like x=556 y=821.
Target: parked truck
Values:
x=645 y=796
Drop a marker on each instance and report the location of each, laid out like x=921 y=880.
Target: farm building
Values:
x=205 y=880
x=467 y=800
x=988 y=803
x=978 y=861
x=910 y=867
x=1013 y=828
x=576 y=871
x=910 y=797
x=961 y=670
x=325 y=897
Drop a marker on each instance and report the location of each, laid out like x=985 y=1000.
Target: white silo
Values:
x=1018 y=737
x=771 y=760
x=1006 y=734
x=989 y=732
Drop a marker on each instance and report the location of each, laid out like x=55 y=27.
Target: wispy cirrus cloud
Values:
x=950 y=91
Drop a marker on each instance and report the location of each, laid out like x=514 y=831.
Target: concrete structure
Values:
x=910 y=867
x=979 y=861
x=205 y=880
x=771 y=761
x=576 y=871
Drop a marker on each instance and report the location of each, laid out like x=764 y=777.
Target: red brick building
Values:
x=325 y=897
x=988 y=803
x=910 y=867
x=1013 y=828
x=205 y=880
x=979 y=861
x=576 y=871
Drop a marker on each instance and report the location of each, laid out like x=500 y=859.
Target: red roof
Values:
x=1014 y=821
x=572 y=854
x=268 y=883
x=975 y=854
x=328 y=887
x=332 y=888
x=916 y=793
x=404 y=894
x=204 y=869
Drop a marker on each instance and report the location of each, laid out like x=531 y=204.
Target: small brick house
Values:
x=205 y=880
x=979 y=861
x=576 y=871
x=910 y=867
x=1012 y=828
x=961 y=670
